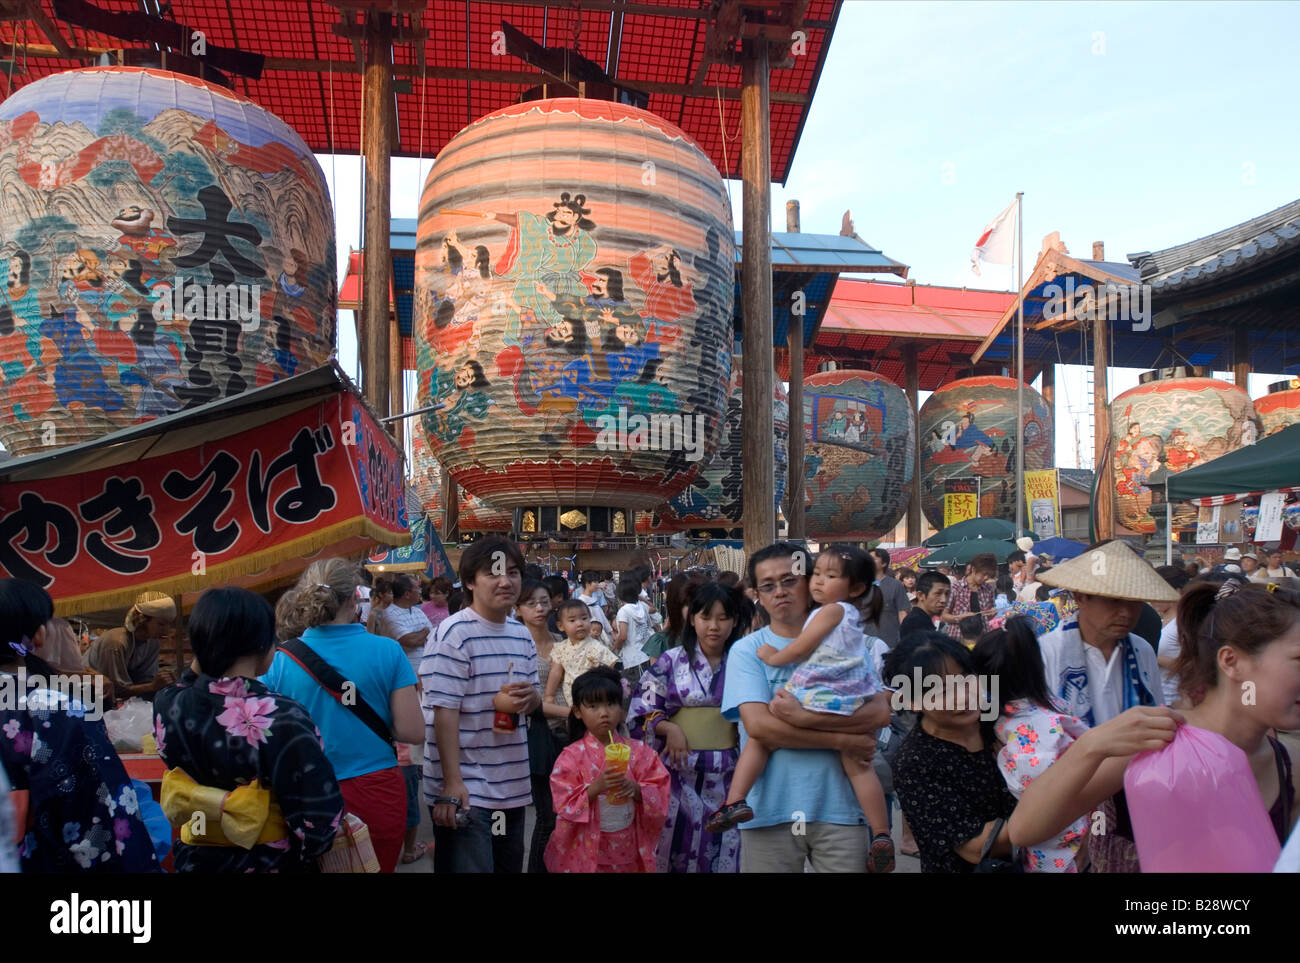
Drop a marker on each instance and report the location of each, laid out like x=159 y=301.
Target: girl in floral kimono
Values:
x=1034 y=730
x=683 y=691
x=233 y=747
x=592 y=833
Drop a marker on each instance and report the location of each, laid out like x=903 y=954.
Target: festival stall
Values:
x=239 y=491
x=1268 y=470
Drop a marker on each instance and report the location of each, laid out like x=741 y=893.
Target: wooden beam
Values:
x=756 y=301
x=396 y=383
x=794 y=512
x=450 y=509
x=683 y=11
x=52 y=32
x=522 y=78
x=1049 y=389
x=377 y=93
x=913 y=375
x=1241 y=358
x=1103 y=505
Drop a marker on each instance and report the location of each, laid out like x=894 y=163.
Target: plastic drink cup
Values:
x=504 y=721
x=617 y=757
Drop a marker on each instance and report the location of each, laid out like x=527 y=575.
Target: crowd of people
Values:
x=716 y=722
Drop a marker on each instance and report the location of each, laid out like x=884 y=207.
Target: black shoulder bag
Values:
x=996 y=864
x=328 y=678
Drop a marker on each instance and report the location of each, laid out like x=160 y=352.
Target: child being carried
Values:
x=836 y=676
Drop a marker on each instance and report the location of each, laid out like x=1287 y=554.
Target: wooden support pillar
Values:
x=1241 y=358
x=377 y=93
x=396 y=383
x=912 y=374
x=756 y=300
x=794 y=511
x=450 y=509
x=1049 y=388
x=1103 y=507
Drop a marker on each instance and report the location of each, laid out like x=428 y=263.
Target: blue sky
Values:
x=1142 y=125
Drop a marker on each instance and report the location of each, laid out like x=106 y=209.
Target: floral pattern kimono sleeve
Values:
x=84 y=815
x=304 y=783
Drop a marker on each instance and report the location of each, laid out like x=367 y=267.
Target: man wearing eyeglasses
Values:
x=804 y=807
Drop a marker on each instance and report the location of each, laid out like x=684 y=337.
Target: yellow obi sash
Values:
x=245 y=817
x=705 y=728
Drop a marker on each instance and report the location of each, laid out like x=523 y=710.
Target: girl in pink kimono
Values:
x=593 y=834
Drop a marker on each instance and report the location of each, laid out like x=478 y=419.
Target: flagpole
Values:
x=1020 y=366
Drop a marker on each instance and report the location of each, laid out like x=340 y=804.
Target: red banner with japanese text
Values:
x=210 y=513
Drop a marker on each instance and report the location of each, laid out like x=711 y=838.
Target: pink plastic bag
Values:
x=1196 y=808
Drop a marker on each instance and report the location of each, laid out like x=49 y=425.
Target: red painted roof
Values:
x=325 y=107
x=870 y=321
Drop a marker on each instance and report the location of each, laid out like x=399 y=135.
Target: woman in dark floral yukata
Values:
x=233 y=746
x=72 y=799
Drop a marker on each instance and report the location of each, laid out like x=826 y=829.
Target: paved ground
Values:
x=905 y=864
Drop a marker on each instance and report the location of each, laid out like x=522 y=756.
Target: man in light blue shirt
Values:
x=804 y=806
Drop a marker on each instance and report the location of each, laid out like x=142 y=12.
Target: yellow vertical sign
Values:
x=961 y=500
x=1043 y=501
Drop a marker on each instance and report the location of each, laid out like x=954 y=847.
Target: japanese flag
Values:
x=996 y=240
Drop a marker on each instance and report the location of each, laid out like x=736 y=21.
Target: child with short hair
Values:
x=632 y=630
x=1034 y=730
x=836 y=677
x=607 y=820
x=576 y=654
x=972 y=627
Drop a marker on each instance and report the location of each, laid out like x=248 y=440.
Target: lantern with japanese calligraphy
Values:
x=1279 y=408
x=166 y=243
x=715 y=498
x=968 y=433
x=1178 y=417
x=573 y=317
x=860 y=434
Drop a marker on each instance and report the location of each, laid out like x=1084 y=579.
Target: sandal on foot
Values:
x=881 y=857
x=728 y=816
x=415 y=855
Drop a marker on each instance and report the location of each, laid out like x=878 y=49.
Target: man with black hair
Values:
x=477 y=780
x=804 y=806
x=932 y=590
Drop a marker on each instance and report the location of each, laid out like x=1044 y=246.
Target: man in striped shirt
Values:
x=481 y=663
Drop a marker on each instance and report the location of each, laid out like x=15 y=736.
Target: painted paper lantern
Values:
x=1280 y=408
x=1178 y=417
x=573 y=316
x=166 y=243
x=715 y=498
x=427 y=479
x=859 y=437
x=968 y=432
x=473 y=514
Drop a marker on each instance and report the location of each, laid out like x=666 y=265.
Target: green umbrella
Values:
x=972 y=528
x=960 y=553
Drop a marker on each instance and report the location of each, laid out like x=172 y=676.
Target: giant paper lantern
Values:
x=427 y=480
x=860 y=434
x=1280 y=408
x=968 y=432
x=166 y=243
x=715 y=498
x=1177 y=416
x=472 y=515
x=574 y=278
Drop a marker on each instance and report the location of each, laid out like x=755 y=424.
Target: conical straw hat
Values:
x=1112 y=571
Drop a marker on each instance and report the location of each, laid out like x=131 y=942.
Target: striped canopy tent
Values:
x=1272 y=464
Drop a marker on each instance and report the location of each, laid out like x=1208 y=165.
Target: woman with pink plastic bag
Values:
x=1221 y=797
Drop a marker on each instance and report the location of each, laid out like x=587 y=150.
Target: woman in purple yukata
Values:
x=678 y=712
